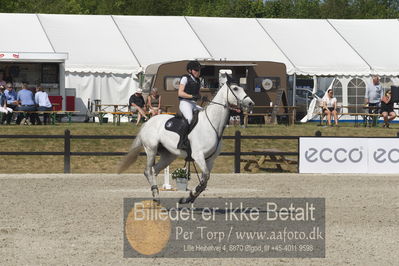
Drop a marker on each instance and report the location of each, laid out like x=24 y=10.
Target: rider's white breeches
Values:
x=187 y=107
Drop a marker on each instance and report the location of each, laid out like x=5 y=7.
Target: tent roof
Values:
x=94 y=43
x=314 y=47
x=158 y=39
x=375 y=40
x=237 y=39
x=126 y=44
x=23 y=33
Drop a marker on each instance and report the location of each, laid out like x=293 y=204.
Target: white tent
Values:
x=160 y=39
x=314 y=47
x=237 y=39
x=376 y=41
x=23 y=33
x=103 y=54
x=101 y=64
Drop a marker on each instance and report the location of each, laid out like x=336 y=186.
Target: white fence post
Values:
x=166 y=185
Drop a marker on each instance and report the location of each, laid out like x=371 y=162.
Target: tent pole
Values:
x=62 y=84
x=294 y=91
x=314 y=84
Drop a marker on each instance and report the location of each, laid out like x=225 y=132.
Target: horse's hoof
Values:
x=157 y=201
x=184 y=200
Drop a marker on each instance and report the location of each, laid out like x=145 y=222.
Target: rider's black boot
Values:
x=183 y=143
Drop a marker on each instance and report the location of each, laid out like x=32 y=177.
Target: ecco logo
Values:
x=339 y=155
x=381 y=155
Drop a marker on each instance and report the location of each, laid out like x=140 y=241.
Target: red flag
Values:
x=15 y=55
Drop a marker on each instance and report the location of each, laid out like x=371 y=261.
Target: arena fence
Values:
x=67 y=137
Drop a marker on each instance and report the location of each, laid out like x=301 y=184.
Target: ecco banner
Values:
x=348 y=155
x=383 y=156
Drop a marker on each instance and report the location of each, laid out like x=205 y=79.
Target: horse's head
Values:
x=236 y=96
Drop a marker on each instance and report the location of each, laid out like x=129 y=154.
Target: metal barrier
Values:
x=67 y=147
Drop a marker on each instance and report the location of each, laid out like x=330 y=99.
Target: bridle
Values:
x=239 y=102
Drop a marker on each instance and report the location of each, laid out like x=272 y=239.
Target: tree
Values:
x=216 y=8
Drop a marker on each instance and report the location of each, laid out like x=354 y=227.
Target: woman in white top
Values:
x=330 y=106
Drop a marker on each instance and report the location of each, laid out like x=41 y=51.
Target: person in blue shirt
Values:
x=3 y=103
x=11 y=98
x=26 y=103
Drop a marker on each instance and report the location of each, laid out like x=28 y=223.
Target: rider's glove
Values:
x=196 y=97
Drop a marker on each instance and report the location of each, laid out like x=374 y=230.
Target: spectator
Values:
x=137 y=104
x=26 y=103
x=3 y=102
x=2 y=81
x=236 y=115
x=11 y=97
x=43 y=104
x=330 y=106
x=387 y=108
x=154 y=102
x=373 y=97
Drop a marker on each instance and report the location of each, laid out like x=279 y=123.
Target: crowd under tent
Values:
x=103 y=57
x=101 y=65
x=27 y=56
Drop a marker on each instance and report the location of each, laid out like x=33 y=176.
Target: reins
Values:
x=224 y=106
x=219 y=138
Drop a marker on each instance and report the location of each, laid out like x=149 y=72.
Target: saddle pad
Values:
x=178 y=125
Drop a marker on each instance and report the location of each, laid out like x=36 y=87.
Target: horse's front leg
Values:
x=202 y=164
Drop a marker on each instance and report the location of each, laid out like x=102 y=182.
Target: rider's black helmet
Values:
x=193 y=65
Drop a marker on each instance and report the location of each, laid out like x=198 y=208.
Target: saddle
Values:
x=180 y=125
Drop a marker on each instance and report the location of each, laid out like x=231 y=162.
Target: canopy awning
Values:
x=33 y=57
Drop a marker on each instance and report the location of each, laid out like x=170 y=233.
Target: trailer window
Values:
x=172 y=83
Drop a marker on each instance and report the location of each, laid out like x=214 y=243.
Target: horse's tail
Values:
x=132 y=155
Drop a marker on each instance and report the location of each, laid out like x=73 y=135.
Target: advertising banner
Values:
x=349 y=155
x=333 y=155
x=383 y=156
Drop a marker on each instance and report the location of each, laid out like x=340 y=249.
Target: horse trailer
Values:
x=264 y=82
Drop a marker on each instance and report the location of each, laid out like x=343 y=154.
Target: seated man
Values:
x=11 y=98
x=137 y=105
x=26 y=103
x=236 y=116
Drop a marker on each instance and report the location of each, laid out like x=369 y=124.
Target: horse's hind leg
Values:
x=205 y=167
x=166 y=159
x=150 y=173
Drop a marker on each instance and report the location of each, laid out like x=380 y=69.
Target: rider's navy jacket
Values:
x=193 y=85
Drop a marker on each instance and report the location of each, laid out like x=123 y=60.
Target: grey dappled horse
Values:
x=205 y=139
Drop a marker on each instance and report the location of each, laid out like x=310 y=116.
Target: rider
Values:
x=189 y=93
